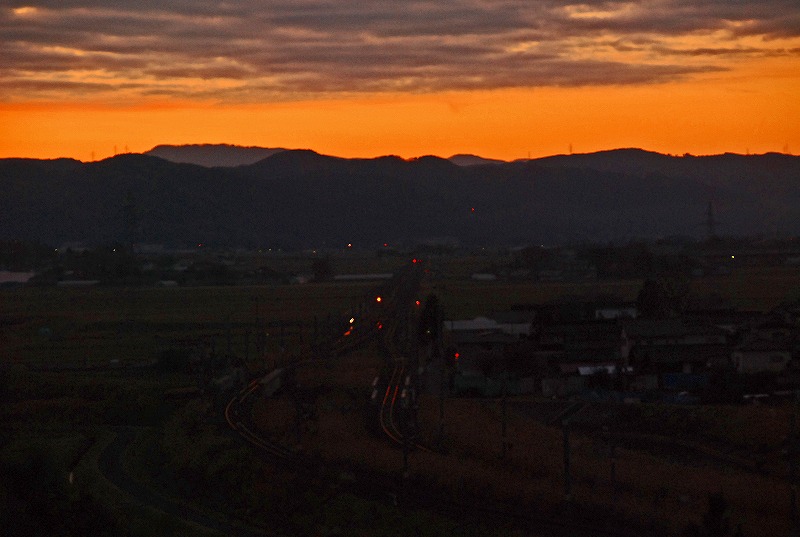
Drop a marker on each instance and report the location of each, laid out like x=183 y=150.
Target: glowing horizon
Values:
x=501 y=81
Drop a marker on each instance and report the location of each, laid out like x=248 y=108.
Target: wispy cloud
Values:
x=255 y=50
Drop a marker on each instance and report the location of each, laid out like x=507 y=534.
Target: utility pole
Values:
x=442 y=388
x=612 y=455
x=567 y=476
x=229 y=336
x=440 y=359
x=408 y=430
x=504 y=417
x=791 y=451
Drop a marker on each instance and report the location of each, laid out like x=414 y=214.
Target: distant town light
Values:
x=378 y=299
x=352 y=320
x=349 y=245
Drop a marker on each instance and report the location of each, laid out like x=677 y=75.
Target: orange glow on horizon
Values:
x=754 y=110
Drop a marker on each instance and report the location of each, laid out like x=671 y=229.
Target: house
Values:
x=14 y=279
x=478 y=360
x=578 y=355
x=615 y=311
x=584 y=348
x=674 y=345
x=479 y=351
x=517 y=323
x=763 y=356
x=776 y=328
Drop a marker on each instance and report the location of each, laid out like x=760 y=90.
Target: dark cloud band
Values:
x=262 y=50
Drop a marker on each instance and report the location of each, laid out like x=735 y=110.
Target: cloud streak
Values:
x=251 y=51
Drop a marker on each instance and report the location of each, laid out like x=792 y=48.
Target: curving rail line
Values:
x=371 y=327
x=236 y=419
x=396 y=387
x=238 y=416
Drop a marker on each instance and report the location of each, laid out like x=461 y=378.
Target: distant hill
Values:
x=212 y=155
x=471 y=160
x=299 y=198
x=638 y=161
x=224 y=155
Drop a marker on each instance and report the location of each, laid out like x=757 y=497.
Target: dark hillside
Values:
x=304 y=199
x=212 y=155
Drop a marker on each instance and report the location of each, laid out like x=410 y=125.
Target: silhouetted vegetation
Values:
x=36 y=501
x=303 y=199
x=16 y=255
x=322 y=268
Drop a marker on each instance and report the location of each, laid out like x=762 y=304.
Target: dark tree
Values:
x=652 y=301
x=322 y=269
x=717 y=521
x=430 y=320
x=662 y=298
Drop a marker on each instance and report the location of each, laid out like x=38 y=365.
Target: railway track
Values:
x=238 y=414
x=398 y=399
x=382 y=322
x=378 y=321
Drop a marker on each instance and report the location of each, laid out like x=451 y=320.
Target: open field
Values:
x=753 y=288
x=466 y=299
x=58 y=327
x=62 y=397
x=747 y=288
x=65 y=384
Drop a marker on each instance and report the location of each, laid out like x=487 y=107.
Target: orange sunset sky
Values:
x=501 y=79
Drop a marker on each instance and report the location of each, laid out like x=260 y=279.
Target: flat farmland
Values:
x=92 y=326
x=664 y=463
x=66 y=392
x=466 y=298
x=746 y=288
x=753 y=288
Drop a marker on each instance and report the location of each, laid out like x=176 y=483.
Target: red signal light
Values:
x=456 y=355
